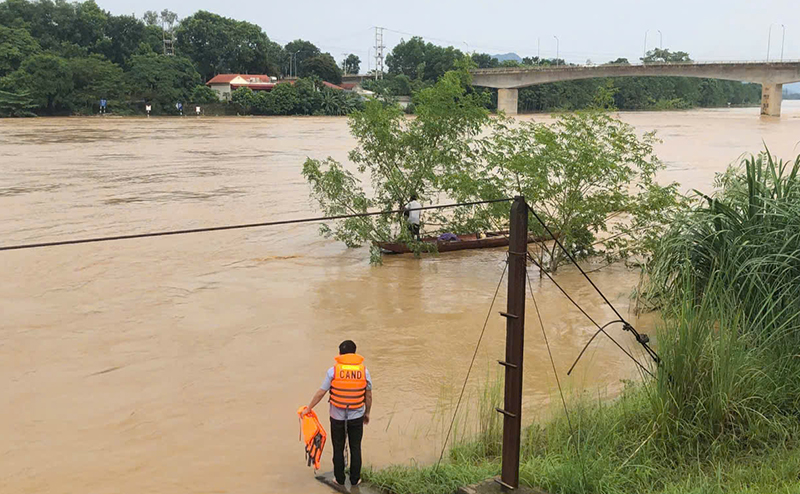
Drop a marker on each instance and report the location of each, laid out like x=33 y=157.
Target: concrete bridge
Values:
x=771 y=75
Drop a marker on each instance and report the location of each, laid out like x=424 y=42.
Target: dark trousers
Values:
x=354 y=431
x=414 y=229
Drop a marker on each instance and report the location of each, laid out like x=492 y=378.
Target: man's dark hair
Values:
x=347 y=346
x=413 y=196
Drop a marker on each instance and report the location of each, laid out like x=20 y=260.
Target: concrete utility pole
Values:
x=538 y=51
x=660 y=39
x=515 y=341
x=644 y=50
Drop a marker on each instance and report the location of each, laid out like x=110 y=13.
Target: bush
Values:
x=243 y=100
x=203 y=95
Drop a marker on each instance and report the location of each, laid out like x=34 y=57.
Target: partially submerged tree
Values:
x=431 y=155
x=579 y=173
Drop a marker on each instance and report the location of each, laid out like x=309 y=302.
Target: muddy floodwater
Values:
x=176 y=364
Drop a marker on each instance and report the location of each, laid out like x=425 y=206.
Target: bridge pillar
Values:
x=507 y=100
x=771 y=98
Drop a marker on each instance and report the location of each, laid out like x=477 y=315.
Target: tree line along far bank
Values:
x=62 y=58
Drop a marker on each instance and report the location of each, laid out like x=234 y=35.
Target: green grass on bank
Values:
x=639 y=442
x=723 y=413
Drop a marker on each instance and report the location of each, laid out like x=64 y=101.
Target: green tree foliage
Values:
x=223 y=45
x=427 y=155
x=485 y=61
x=298 y=51
x=203 y=94
x=665 y=56
x=49 y=80
x=282 y=100
x=163 y=80
x=305 y=96
x=15 y=105
x=243 y=99
x=52 y=23
x=637 y=93
x=579 y=172
x=214 y=44
x=151 y=18
x=123 y=34
x=16 y=44
x=95 y=78
x=309 y=95
x=323 y=66
x=418 y=59
x=352 y=64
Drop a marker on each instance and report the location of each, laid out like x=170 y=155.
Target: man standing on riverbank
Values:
x=412 y=217
x=350 y=387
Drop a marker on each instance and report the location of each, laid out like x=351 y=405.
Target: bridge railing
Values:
x=498 y=70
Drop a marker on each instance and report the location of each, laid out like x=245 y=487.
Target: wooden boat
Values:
x=464 y=242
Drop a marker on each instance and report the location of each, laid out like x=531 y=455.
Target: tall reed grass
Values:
x=723 y=414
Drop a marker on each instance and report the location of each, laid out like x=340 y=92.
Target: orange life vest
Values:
x=349 y=385
x=313 y=435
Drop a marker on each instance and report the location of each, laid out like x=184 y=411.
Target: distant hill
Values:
x=792 y=88
x=508 y=56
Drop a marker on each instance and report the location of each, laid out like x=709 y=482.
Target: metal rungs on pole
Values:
x=515 y=339
x=505 y=412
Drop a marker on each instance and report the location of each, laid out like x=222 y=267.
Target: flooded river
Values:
x=177 y=364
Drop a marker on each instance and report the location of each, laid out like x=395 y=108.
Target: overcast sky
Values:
x=587 y=29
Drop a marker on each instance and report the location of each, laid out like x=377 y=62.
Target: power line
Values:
x=626 y=326
x=558 y=381
x=472 y=363
x=237 y=227
x=601 y=329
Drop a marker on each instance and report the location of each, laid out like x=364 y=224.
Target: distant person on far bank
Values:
x=412 y=217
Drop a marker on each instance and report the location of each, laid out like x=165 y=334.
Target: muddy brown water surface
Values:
x=176 y=364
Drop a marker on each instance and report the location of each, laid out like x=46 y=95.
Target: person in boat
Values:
x=412 y=217
x=350 y=387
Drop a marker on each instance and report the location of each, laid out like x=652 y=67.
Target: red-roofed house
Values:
x=223 y=84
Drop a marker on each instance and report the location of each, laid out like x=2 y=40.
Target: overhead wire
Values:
x=590 y=318
x=471 y=364
x=626 y=326
x=558 y=381
x=576 y=304
x=237 y=226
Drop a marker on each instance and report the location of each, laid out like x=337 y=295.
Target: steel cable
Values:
x=237 y=227
x=471 y=364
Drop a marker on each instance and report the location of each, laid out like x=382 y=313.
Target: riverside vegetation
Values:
x=722 y=413
x=62 y=58
x=577 y=169
x=722 y=267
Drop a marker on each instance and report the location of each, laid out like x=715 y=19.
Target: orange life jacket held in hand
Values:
x=349 y=385
x=313 y=435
